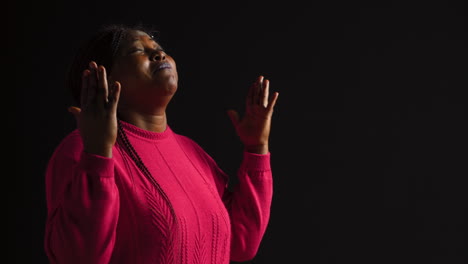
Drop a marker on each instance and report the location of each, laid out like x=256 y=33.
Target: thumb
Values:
x=74 y=110
x=234 y=116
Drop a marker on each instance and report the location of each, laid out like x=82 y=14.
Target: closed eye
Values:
x=136 y=51
x=142 y=50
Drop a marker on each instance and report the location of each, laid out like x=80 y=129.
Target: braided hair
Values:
x=103 y=48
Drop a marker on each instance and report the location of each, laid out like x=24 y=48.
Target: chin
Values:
x=168 y=85
x=170 y=89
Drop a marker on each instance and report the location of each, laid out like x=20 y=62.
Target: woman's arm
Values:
x=249 y=205
x=83 y=207
x=83 y=199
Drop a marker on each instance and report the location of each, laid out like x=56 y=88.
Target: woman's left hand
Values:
x=253 y=128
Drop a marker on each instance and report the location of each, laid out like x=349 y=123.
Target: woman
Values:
x=124 y=188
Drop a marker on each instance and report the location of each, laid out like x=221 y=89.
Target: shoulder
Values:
x=191 y=147
x=69 y=148
x=64 y=158
x=188 y=143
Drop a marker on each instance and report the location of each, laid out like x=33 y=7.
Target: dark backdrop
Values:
x=368 y=143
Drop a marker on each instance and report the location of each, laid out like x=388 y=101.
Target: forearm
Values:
x=82 y=227
x=249 y=206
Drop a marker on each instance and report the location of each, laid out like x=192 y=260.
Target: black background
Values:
x=368 y=140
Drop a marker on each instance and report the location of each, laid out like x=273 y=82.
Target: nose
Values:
x=159 y=55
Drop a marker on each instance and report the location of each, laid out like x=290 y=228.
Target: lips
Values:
x=163 y=66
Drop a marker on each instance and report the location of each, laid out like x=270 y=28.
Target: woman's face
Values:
x=145 y=71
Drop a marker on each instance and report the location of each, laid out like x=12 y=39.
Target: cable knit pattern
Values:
x=160 y=213
x=200 y=254
x=106 y=211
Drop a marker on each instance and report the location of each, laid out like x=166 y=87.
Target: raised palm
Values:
x=253 y=128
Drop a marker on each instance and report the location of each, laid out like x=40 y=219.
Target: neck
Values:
x=150 y=122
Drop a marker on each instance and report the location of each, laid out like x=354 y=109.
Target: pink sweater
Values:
x=104 y=210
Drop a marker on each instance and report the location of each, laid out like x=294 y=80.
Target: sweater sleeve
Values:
x=249 y=205
x=83 y=208
x=248 y=202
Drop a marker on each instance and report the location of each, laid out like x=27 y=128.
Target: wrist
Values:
x=104 y=152
x=257 y=149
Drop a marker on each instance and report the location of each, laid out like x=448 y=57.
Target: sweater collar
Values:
x=133 y=130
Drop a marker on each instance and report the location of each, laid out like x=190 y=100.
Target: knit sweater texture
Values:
x=106 y=211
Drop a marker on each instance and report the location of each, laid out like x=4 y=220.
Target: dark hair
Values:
x=102 y=48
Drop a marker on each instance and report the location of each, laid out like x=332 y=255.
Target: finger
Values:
x=103 y=91
x=92 y=82
x=265 y=92
x=74 y=110
x=84 y=88
x=272 y=102
x=234 y=116
x=114 y=97
x=257 y=99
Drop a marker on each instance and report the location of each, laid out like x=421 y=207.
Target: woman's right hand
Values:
x=97 y=117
